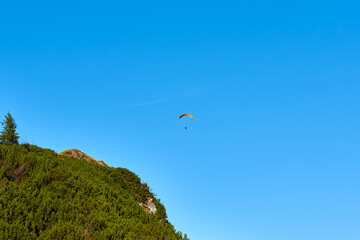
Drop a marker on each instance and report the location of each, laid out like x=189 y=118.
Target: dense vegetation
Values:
x=47 y=196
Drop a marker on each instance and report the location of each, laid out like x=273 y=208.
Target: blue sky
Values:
x=273 y=150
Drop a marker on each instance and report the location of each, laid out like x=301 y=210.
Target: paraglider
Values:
x=186 y=114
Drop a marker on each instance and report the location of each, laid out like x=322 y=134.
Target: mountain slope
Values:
x=48 y=196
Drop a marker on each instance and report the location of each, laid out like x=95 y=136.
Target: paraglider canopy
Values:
x=185 y=115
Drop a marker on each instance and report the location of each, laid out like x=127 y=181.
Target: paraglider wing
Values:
x=185 y=115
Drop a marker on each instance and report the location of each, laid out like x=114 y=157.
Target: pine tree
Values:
x=9 y=134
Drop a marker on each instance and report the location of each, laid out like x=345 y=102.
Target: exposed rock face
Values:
x=81 y=155
x=149 y=206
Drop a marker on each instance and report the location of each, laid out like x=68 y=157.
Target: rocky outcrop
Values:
x=149 y=206
x=81 y=155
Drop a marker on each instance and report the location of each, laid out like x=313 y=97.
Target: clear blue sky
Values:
x=273 y=150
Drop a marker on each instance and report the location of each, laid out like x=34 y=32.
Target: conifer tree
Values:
x=8 y=134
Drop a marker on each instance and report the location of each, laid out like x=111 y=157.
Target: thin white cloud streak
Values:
x=147 y=103
x=190 y=91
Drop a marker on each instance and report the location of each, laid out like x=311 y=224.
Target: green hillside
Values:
x=47 y=196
